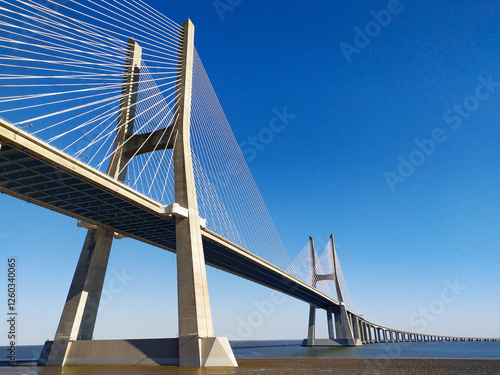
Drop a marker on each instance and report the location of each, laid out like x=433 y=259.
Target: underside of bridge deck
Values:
x=70 y=187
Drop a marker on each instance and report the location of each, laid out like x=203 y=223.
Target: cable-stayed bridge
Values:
x=108 y=116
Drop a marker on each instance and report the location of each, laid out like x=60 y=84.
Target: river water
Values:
x=288 y=357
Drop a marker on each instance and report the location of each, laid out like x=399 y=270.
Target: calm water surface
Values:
x=282 y=349
x=301 y=360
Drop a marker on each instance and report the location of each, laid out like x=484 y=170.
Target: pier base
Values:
x=323 y=342
x=215 y=351
x=331 y=342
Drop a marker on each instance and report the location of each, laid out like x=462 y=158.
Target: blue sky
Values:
x=420 y=252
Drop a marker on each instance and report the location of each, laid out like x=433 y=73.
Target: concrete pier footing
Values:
x=142 y=352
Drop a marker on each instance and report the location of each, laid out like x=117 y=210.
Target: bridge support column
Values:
x=337 y=324
x=197 y=345
x=311 y=332
x=312 y=323
x=362 y=331
x=329 y=317
x=80 y=311
x=367 y=333
x=344 y=328
x=355 y=326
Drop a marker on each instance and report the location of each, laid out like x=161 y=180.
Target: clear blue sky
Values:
x=403 y=236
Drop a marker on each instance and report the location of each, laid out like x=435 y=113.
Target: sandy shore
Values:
x=290 y=366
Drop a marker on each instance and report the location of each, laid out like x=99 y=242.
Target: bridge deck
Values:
x=37 y=173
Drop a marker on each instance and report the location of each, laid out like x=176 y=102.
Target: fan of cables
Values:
x=64 y=70
x=63 y=67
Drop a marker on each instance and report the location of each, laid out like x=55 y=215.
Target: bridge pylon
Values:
x=337 y=316
x=196 y=345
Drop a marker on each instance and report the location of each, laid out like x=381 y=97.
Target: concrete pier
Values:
x=196 y=336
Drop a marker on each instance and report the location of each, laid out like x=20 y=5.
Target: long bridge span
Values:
x=150 y=113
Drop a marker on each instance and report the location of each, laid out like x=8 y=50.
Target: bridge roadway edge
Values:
x=22 y=143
